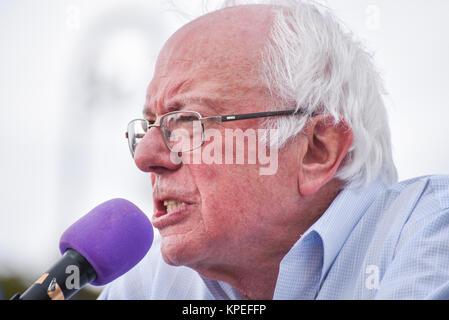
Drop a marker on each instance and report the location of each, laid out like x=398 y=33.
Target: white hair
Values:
x=310 y=61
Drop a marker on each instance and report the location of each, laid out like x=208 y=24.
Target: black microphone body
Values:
x=63 y=280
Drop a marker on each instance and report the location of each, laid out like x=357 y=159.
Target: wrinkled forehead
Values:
x=231 y=35
x=219 y=51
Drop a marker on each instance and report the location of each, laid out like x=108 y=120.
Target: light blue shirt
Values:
x=377 y=242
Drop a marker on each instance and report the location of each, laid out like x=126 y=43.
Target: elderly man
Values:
x=328 y=221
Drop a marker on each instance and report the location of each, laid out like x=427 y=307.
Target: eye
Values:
x=185 y=118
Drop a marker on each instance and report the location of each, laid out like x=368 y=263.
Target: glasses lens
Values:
x=136 y=132
x=182 y=131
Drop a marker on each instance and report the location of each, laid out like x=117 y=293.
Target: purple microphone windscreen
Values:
x=113 y=237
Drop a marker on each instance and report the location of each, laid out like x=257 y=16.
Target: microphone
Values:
x=101 y=246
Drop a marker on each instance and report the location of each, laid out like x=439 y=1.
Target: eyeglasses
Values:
x=183 y=131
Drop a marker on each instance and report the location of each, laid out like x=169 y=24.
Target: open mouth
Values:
x=169 y=206
x=173 y=205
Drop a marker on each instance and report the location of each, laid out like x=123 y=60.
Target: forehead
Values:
x=215 y=57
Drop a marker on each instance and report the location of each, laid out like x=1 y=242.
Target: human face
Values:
x=217 y=213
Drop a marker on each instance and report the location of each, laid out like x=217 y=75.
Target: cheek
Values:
x=216 y=188
x=224 y=184
x=228 y=195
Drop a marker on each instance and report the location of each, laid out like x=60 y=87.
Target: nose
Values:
x=152 y=155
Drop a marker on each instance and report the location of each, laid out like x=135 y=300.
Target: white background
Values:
x=73 y=73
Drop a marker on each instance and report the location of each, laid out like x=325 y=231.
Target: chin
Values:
x=179 y=253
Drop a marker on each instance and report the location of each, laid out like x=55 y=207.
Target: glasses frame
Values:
x=204 y=120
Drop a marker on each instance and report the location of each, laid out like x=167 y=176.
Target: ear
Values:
x=324 y=147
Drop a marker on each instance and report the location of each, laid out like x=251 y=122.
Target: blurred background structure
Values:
x=73 y=73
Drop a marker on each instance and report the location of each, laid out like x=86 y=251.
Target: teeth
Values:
x=173 y=205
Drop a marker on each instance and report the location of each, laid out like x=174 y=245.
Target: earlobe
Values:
x=323 y=148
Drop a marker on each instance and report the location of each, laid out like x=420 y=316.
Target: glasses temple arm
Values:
x=260 y=115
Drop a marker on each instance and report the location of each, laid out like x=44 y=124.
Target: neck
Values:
x=251 y=282
x=253 y=270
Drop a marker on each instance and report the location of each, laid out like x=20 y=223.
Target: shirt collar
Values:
x=337 y=222
x=332 y=228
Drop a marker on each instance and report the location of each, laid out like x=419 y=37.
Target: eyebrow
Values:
x=181 y=102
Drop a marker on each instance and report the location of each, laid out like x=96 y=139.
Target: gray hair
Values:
x=312 y=62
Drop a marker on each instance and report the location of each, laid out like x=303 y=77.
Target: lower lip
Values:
x=162 y=219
